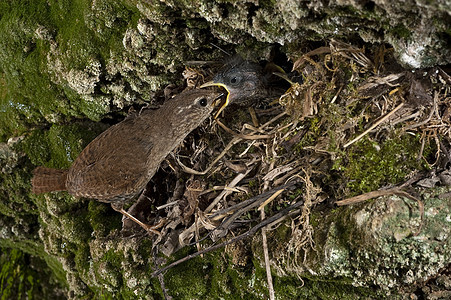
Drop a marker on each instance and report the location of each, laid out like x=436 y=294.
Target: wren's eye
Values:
x=203 y=102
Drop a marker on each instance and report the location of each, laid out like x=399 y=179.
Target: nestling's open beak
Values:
x=217 y=99
x=212 y=83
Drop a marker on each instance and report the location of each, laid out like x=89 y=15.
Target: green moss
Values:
x=321 y=286
x=22 y=277
x=370 y=165
x=400 y=31
x=310 y=138
x=190 y=280
x=60 y=145
x=29 y=91
x=310 y=287
x=213 y=277
x=14 y=188
x=378 y=238
x=113 y=259
x=316 y=290
x=82 y=259
x=75 y=228
x=34 y=251
x=102 y=218
x=20 y=216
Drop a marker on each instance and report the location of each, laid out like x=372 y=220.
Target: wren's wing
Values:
x=113 y=166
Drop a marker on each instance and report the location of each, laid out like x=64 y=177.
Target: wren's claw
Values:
x=148 y=228
x=154 y=228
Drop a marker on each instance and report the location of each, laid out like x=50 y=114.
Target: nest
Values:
x=250 y=171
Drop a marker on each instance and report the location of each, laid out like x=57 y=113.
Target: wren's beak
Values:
x=212 y=83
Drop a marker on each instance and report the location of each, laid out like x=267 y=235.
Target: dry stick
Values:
x=265 y=245
x=336 y=95
x=240 y=208
x=168 y=204
x=253 y=116
x=266 y=255
x=374 y=125
x=234 y=141
x=393 y=191
x=278 y=171
x=161 y=280
x=237 y=213
x=246 y=150
x=250 y=127
x=401 y=120
x=373 y=194
x=273 y=196
x=363 y=197
x=248 y=233
x=222 y=187
x=249 y=203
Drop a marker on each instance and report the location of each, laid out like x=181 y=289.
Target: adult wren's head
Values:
x=244 y=81
x=190 y=106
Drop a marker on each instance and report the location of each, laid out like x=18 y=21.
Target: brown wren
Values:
x=117 y=164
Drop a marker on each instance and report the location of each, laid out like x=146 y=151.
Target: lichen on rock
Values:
x=70 y=69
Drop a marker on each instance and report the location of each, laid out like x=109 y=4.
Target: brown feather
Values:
x=48 y=180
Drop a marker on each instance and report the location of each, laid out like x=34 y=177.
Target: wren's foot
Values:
x=148 y=228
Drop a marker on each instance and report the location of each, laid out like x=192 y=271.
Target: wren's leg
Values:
x=118 y=207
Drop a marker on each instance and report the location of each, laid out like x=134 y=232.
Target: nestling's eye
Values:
x=235 y=80
x=203 y=102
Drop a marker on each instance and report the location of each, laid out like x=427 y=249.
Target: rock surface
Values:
x=67 y=69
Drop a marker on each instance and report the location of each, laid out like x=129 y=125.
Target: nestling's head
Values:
x=242 y=79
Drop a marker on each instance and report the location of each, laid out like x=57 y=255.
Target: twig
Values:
x=188 y=170
x=253 y=116
x=235 y=211
x=273 y=196
x=266 y=253
x=393 y=191
x=168 y=204
x=374 y=125
x=265 y=245
x=373 y=194
x=336 y=95
x=247 y=149
x=161 y=279
x=431 y=113
x=257 y=199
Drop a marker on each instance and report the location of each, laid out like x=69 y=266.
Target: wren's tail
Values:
x=48 y=180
